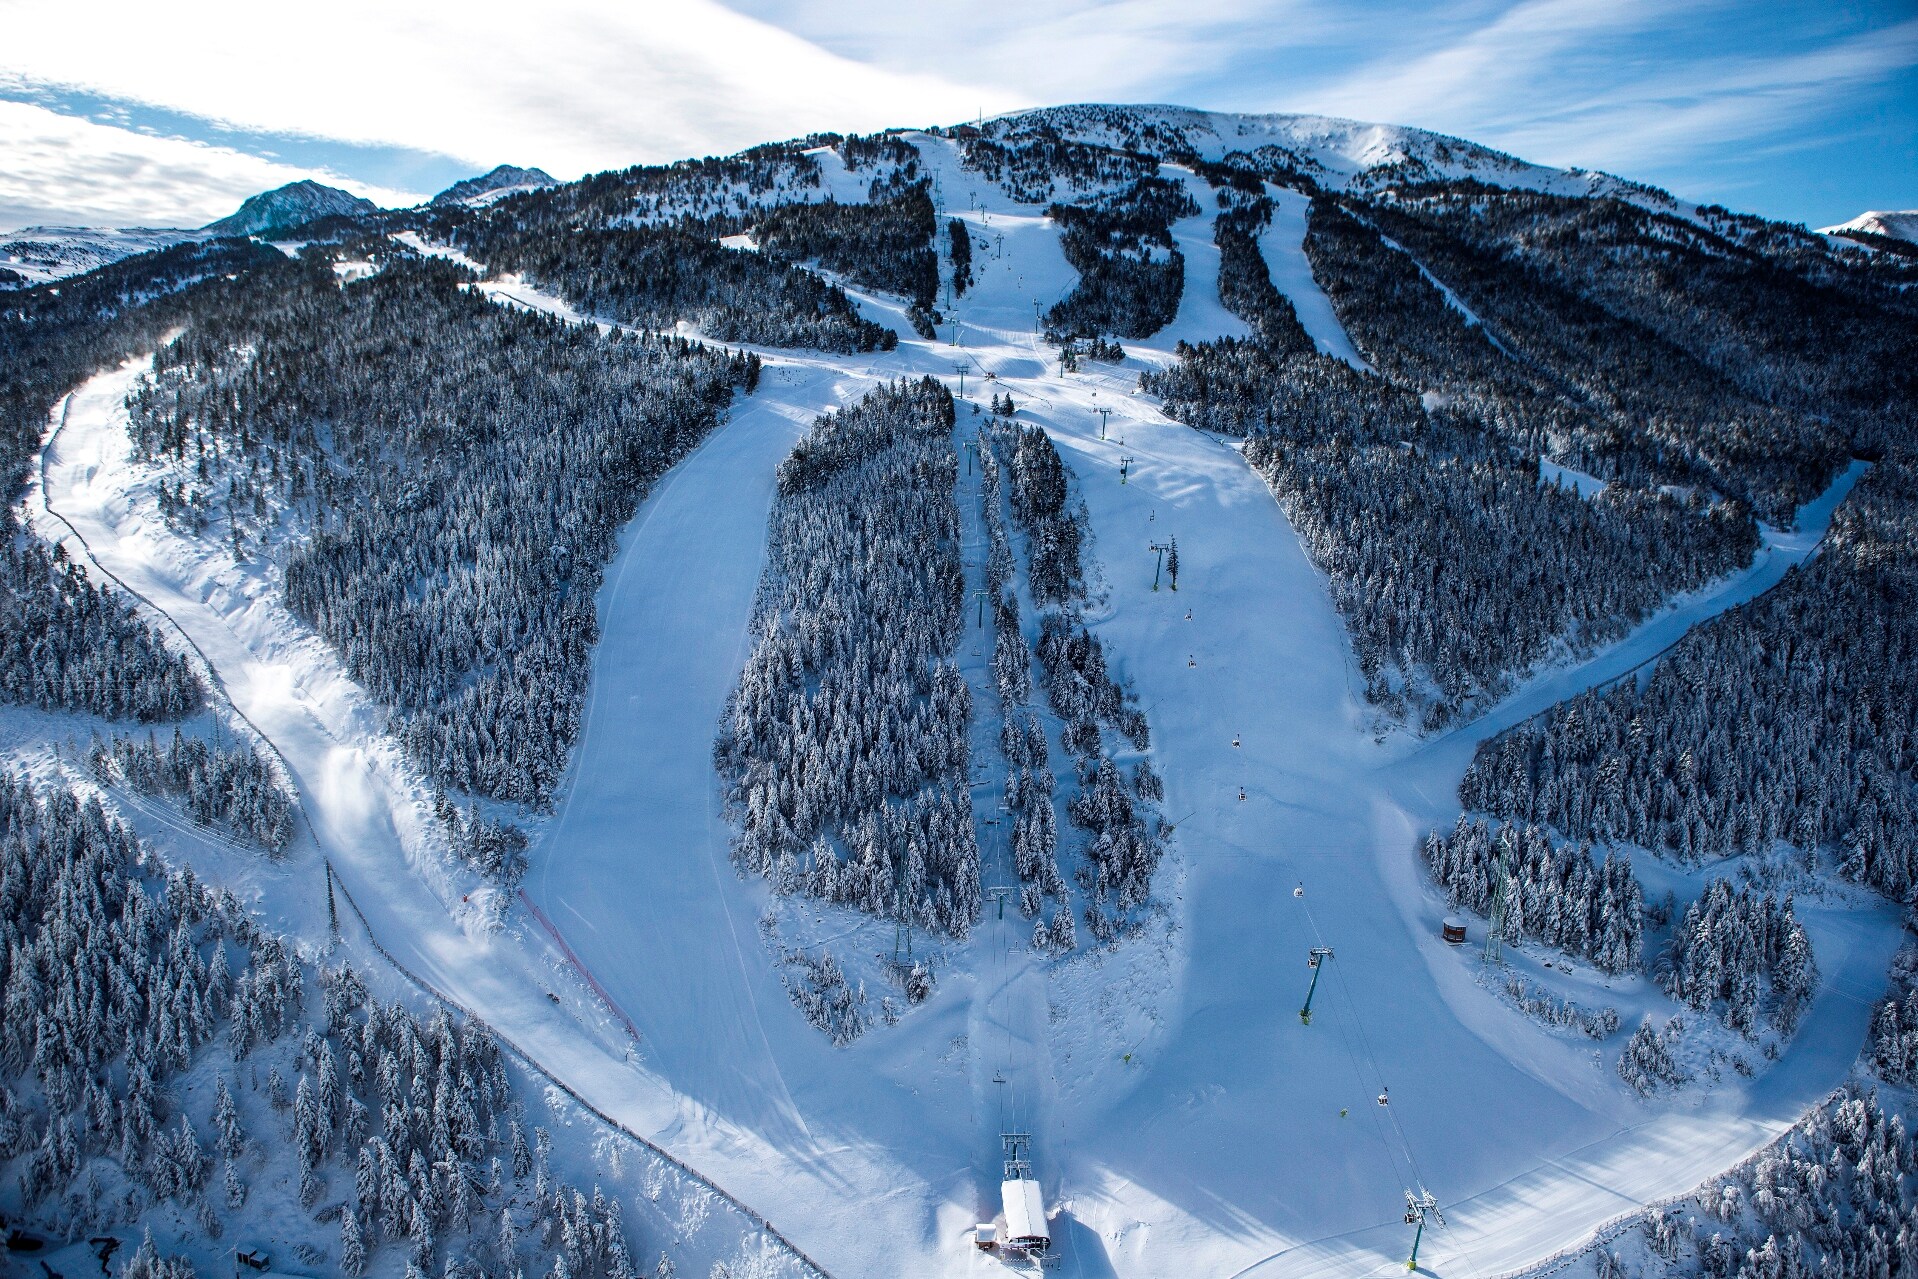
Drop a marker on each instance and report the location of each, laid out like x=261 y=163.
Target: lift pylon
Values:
x=1316 y=962
x=1417 y=1208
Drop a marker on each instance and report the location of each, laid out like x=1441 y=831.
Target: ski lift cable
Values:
x=1402 y=1150
x=1404 y=1142
x=1352 y=1054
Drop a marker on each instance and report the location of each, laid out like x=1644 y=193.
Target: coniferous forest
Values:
x=385 y=421
x=844 y=749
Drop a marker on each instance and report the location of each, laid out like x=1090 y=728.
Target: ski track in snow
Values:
x=1283 y=246
x=1233 y=1139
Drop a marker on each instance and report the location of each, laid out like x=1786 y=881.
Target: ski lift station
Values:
x=1025 y=1215
x=1025 y=1207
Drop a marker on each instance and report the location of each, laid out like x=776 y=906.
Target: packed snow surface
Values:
x=1283 y=247
x=1184 y=1120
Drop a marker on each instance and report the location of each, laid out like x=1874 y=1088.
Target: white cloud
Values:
x=1720 y=101
x=1059 y=52
x=1625 y=85
x=59 y=169
x=569 y=85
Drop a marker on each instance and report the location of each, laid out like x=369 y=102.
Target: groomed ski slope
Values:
x=1186 y=1122
x=1213 y=1138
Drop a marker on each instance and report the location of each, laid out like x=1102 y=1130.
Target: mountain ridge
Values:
x=286 y=207
x=496 y=184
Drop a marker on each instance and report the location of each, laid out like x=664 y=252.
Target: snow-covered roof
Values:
x=1025 y=1212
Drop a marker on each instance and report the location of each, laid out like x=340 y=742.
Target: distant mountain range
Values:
x=1334 y=153
x=40 y=254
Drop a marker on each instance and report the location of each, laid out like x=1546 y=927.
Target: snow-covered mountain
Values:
x=284 y=208
x=1337 y=153
x=1899 y=224
x=38 y=254
x=1075 y=567
x=507 y=179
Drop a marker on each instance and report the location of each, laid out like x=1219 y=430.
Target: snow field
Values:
x=1283 y=247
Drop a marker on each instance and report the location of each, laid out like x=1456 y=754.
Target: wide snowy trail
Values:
x=637 y=850
x=1196 y=1123
x=370 y=814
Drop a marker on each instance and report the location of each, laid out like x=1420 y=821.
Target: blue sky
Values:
x=1802 y=111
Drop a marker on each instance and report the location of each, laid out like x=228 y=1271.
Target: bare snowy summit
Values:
x=1900 y=224
x=1337 y=153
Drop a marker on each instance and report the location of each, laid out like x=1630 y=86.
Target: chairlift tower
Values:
x=1159 y=548
x=1417 y=1208
x=1493 y=956
x=1316 y=962
x=1018 y=1148
x=1104 y=415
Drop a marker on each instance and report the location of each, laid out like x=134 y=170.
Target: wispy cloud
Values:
x=59 y=169
x=1784 y=101
x=1066 y=51
x=1667 y=90
x=570 y=85
x=1624 y=85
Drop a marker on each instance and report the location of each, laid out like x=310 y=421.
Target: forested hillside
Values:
x=123 y=981
x=67 y=642
x=1788 y=719
x=1454 y=566
x=844 y=749
x=1224 y=613
x=452 y=474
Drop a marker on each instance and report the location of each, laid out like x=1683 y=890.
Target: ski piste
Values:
x=1183 y=1116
